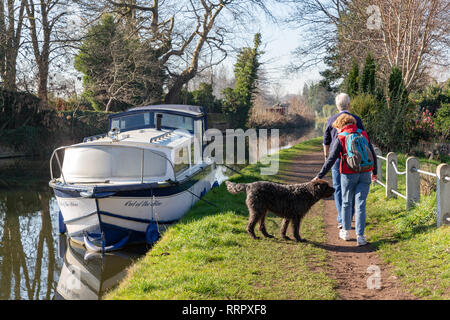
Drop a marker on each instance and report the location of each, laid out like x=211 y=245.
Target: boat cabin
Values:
x=144 y=144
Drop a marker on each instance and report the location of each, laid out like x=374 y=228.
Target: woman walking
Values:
x=357 y=161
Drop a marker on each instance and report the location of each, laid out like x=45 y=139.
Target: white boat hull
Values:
x=130 y=212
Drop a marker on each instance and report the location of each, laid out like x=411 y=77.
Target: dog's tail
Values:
x=235 y=187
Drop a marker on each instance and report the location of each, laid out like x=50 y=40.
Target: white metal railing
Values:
x=55 y=154
x=413 y=173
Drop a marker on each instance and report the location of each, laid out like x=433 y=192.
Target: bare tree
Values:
x=317 y=22
x=11 y=23
x=44 y=18
x=183 y=32
x=409 y=34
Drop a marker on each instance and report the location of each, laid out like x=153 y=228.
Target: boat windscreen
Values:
x=174 y=121
x=141 y=120
x=133 y=121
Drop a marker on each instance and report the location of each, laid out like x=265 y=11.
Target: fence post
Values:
x=391 y=175
x=443 y=194
x=379 y=164
x=412 y=182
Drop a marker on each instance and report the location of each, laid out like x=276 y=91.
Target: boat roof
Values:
x=149 y=137
x=179 y=108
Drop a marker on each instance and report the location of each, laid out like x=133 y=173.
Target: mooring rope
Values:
x=230 y=168
x=210 y=203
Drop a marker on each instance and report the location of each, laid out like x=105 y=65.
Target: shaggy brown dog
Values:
x=290 y=201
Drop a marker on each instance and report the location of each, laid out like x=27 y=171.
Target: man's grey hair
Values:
x=342 y=101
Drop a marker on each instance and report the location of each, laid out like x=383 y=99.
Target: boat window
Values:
x=174 y=121
x=181 y=159
x=131 y=122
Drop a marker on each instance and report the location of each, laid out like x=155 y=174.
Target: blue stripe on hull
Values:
x=133 y=190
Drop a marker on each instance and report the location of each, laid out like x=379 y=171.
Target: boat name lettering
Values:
x=68 y=204
x=144 y=203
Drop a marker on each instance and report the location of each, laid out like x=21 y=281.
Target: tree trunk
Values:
x=42 y=87
x=173 y=96
x=108 y=104
x=9 y=75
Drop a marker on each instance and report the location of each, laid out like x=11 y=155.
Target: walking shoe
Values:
x=344 y=234
x=361 y=240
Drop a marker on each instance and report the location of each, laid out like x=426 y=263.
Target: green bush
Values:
x=328 y=110
x=365 y=106
x=442 y=121
x=433 y=97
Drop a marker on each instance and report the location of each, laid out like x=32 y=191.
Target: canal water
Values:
x=36 y=262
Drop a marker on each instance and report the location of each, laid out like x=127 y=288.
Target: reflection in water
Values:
x=289 y=138
x=28 y=265
x=87 y=276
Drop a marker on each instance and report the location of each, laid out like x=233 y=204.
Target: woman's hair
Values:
x=343 y=120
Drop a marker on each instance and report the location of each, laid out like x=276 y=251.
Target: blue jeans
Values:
x=355 y=185
x=336 y=175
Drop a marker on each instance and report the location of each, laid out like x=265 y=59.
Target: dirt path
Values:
x=348 y=262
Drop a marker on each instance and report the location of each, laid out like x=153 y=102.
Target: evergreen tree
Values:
x=203 y=96
x=368 y=76
x=333 y=74
x=395 y=115
x=397 y=90
x=352 y=86
x=118 y=69
x=238 y=101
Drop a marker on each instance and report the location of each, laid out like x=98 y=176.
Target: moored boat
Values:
x=148 y=170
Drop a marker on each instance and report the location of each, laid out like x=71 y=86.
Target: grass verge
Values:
x=208 y=254
x=418 y=252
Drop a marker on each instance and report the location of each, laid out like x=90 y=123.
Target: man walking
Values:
x=330 y=135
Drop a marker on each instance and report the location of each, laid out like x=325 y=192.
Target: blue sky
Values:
x=278 y=43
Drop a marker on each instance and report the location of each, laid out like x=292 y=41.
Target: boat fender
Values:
x=92 y=247
x=152 y=233
x=61 y=225
x=62 y=246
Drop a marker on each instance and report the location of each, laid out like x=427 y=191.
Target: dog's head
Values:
x=321 y=189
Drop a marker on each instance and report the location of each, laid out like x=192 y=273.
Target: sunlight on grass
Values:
x=409 y=240
x=209 y=255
